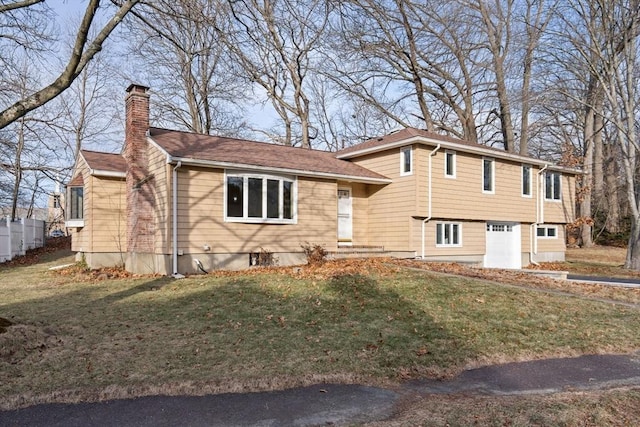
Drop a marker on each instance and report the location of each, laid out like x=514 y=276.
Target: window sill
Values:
x=262 y=221
x=74 y=223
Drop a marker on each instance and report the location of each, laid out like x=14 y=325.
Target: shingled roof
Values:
x=104 y=162
x=231 y=152
x=402 y=135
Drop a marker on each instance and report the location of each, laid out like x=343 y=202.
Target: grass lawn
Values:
x=79 y=336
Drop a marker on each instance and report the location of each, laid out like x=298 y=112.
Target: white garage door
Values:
x=503 y=245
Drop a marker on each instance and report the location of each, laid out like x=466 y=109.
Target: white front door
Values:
x=345 y=231
x=503 y=245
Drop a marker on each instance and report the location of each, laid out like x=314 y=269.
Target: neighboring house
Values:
x=55 y=212
x=176 y=197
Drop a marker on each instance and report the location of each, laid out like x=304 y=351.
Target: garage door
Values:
x=503 y=245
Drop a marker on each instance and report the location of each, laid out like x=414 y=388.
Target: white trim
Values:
x=546 y=232
x=246 y=175
x=448 y=224
x=493 y=175
x=546 y=198
x=272 y=170
x=403 y=151
x=107 y=174
x=71 y=223
x=454 y=164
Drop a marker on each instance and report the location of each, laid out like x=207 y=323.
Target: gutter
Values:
x=533 y=247
x=107 y=174
x=479 y=149
x=176 y=275
x=429 y=214
x=268 y=169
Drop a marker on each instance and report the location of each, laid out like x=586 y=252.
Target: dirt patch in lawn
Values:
x=4 y=323
x=17 y=341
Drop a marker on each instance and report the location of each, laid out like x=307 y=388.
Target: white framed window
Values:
x=552 y=186
x=260 y=198
x=488 y=175
x=448 y=234
x=406 y=161
x=450 y=164
x=526 y=181
x=547 y=232
x=75 y=207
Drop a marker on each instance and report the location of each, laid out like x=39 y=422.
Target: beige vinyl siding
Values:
x=553 y=245
x=201 y=217
x=159 y=169
x=561 y=211
x=463 y=197
x=472 y=233
x=525 y=241
x=107 y=225
x=392 y=206
x=360 y=208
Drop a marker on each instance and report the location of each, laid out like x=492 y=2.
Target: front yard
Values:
x=77 y=335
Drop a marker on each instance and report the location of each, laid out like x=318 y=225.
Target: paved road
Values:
x=614 y=281
x=331 y=404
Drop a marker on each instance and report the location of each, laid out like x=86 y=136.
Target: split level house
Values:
x=174 y=197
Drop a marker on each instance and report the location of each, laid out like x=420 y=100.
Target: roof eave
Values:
x=287 y=171
x=458 y=147
x=107 y=174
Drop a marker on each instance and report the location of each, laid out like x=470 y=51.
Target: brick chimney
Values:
x=140 y=194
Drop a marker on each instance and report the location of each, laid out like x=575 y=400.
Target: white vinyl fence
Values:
x=17 y=237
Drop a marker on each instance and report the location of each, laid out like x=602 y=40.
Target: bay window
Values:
x=260 y=198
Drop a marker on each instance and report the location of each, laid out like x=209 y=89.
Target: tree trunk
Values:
x=18 y=171
x=633 y=250
x=587 y=178
x=611 y=202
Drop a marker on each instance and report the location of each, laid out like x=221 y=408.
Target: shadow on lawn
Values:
x=213 y=329
x=152 y=285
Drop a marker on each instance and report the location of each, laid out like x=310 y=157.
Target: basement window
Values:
x=547 y=232
x=448 y=234
x=260 y=198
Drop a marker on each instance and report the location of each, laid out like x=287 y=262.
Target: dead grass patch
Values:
x=607 y=255
x=598 y=408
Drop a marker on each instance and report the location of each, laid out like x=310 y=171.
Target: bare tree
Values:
x=608 y=46
x=273 y=41
x=83 y=51
x=196 y=85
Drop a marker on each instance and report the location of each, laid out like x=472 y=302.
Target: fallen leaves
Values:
x=527 y=280
x=33 y=256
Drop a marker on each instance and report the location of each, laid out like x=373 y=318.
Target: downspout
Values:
x=175 y=222
x=533 y=250
x=428 y=218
